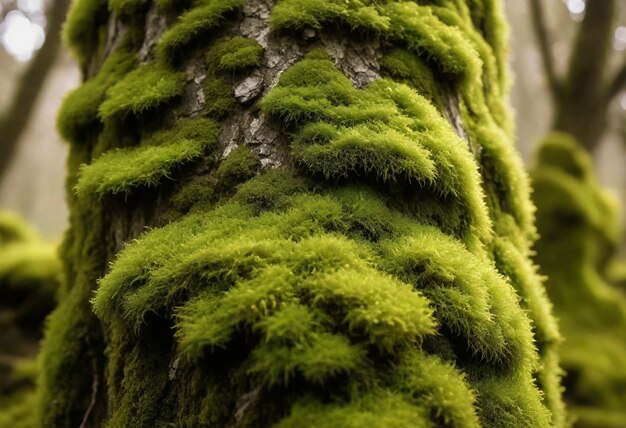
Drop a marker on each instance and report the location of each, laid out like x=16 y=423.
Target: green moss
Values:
x=346 y=132
x=239 y=166
x=314 y=14
x=124 y=170
x=127 y=7
x=219 y=98
x=29 y=273
x=78 y=115
x=236 y=54
x=83 y=25
x=372 y=279
x=144 y=89
x=403 y=66
x=13 y=229
x=194 y=25
x=579 y=227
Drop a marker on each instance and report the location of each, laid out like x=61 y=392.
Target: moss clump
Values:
x=239 y=166
x=82 y=29
x=219 y=97
x=193 y=25
x=144 y=89
x=403 y=66
x=314 y=14
x=234 y=55
x=578 y=225
x=79 y=113
x=386 y=131
x=124 y=170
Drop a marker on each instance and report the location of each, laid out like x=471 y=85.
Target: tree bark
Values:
x=297 y=213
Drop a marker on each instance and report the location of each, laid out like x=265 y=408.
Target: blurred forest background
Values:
x=32 y=173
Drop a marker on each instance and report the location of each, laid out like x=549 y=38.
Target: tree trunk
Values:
x=296 y=213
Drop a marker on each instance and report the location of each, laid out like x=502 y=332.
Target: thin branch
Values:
x=541 y=34
x=617 y=83
x=92 y=402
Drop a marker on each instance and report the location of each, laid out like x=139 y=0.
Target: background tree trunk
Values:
x=339 y=227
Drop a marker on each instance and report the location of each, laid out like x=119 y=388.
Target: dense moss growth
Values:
x=579 y=226
x=123 y=170
x=380 y=275
x=29 y=278
x=236 y=54
x=145 y=88
x=192 y=25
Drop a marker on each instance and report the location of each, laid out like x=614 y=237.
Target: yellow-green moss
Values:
x=83 y=27
x=123 y=170
x=193 y=25
x=127 y=7
x=386 y=131
x=144 y=89
x=234 y=55
x=78 y=115
x=372 y=279
x=239 y=166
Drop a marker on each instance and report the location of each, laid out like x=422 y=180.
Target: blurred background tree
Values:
x=584 y=72
x=35 y=73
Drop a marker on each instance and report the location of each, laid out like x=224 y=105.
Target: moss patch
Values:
x=144 y=89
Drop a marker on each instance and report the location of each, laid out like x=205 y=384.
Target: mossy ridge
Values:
x=270 y=291
x=146 y=88
x=439 y=34
x=78 y=115
x=124 y=170
x=579 y=227
x=192 y=25
x=342 y=132
x=261 y=270
x=83 y=28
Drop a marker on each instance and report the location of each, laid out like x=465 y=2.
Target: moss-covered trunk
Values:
x=301 y=213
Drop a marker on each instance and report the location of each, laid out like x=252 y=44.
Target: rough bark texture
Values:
x=339 y=231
